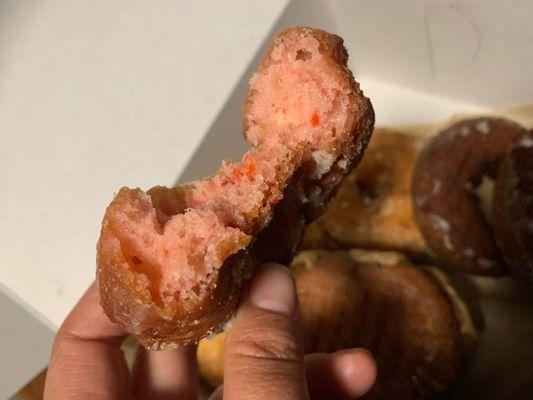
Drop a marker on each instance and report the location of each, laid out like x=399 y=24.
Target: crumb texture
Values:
x=302 y=114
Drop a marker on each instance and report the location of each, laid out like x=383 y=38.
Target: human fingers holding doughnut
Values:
x=264 y=357
x=264 y=354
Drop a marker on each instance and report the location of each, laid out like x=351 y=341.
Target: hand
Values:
x=264 y=356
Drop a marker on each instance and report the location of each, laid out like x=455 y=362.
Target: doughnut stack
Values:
x=473 y=197
x=381 y=268
x=172 y=263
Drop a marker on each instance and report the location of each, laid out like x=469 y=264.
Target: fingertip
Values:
x=165 y=374
x=265 y=343
x=273 y=289
x=356 y=369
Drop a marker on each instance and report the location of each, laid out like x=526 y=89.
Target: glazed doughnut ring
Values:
x=445 y=176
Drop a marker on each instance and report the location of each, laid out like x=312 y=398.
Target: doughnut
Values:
x=416 y=325
x=373 y=206
x=512 y=209
x=330 y=298
x=210 y=358
x=411 y=318
x=447 y=173
x=172 y=262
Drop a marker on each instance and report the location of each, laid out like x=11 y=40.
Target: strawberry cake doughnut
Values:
x=172 y=262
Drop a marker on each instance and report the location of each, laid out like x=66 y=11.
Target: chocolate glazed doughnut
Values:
x=512 y=209
x=172 y=262
x=449 y=168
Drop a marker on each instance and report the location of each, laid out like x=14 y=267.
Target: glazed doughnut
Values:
x=373 y=206
x=445 y=177
x=411 y=318
x=512 y=209
x=172 y=262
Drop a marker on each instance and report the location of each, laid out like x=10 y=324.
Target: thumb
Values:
x=264 y=351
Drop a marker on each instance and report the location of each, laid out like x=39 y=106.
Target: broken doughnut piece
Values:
x=172 y=262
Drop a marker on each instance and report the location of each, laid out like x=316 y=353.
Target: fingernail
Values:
x=273 y=289
x=356 y=368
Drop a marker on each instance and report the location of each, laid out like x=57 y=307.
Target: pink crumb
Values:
x=301 y=105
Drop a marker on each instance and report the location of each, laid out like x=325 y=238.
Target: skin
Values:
x=264 y=355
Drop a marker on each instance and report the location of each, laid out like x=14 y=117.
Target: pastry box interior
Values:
x=424 y=64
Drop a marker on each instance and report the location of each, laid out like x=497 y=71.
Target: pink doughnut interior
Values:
x=298 y=113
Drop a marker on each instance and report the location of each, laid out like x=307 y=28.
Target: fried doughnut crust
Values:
x=512 y=209
x=411 y=318
x=447 y=172
x=404 y=316
x=373 y=208
x=172 y=262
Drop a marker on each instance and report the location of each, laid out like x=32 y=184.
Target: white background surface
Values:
x=99 y=94
x=95 y=95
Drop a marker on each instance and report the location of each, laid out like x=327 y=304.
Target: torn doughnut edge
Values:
x=149 y=234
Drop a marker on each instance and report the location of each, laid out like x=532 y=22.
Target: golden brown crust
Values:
x=210 y=359
x=373 y=206
x=512 y=209
x=127 y=301
x=446 y=173
x=468 y=327
x=330 y=300
x=410 y=327
x=126 y=294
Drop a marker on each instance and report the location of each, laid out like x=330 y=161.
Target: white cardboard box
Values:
x=97 y=95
